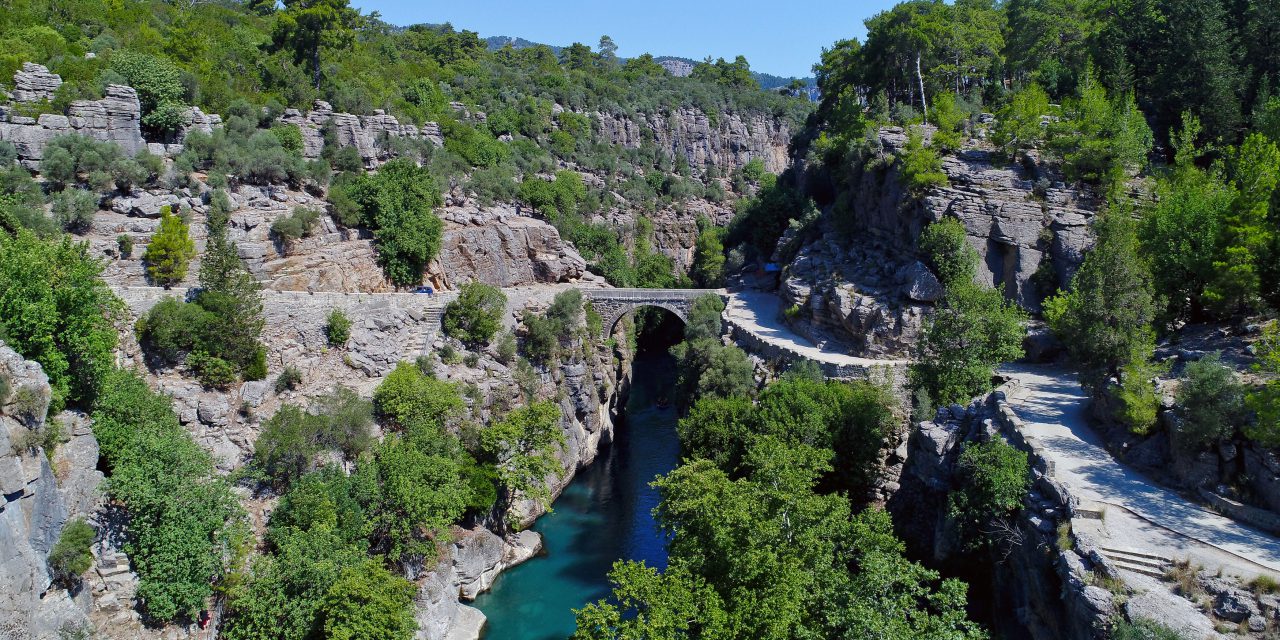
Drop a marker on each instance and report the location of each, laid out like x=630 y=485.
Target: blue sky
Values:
x=783 y=38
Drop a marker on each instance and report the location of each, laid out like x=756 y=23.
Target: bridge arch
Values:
x=612 y=304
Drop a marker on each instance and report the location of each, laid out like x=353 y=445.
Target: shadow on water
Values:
x=603 y=516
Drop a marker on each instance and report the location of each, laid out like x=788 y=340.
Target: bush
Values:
x=299 y=224
x=1211 y=402
x=398 y=203
x=288 y=380
x=921 y=167
x=367 y=601
x=338 y=328
x=71 y=556
x=994 y=479
x=506 y=348
x=1144 y=629
x=170 y=250
x=944 y=247
x=102 y=164
x=212 y=371
x=182 y=516
x=55 y=309
x=124 y=242
x=158 y=83
x=290 y=137
x=476 y=315
x=74 y=209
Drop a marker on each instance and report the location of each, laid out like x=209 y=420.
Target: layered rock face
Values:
x=1048 y=591
x=500 y=247
x=371 y=135
x=38 y=495
x=115 y=118
x=863 y=286
x=729 y=143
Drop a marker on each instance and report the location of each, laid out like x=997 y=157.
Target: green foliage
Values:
x=1144 y=629
x=75 y=159
x=476 y=315
x=398 y=203
x=972 y=330
x=524 y=446
x=368 y=601
x=506 y=351
x=124 y=242
x=159 y=86
x=1105 y=319
x=559 y=330
x=182 y=518
x=55 y=309
x=71 y=555
x=1020 y=125
x=212 y=372
x=415 y=497
x=993 y=480
x=225 y=318
x=337 y=328
x=290 y=137
x=708 y=258
x=299 y=224
x=1211 y=401
x=74 y=209
x=1102 y=138
x=307 y=28
x=170 y=250
x=418 y=405
x=1248 y=232
x=949 y=119
x=239 y=150
x=288 y=380
x=339 y=421
x=1265 y=400
x=946 y=249
x=735 y=74
x=921 y=165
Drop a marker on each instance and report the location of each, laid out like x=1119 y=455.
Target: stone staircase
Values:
x=1148 y=564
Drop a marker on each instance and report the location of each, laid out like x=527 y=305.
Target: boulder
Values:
x=34 y=83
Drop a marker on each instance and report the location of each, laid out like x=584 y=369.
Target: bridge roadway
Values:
x=753 y=318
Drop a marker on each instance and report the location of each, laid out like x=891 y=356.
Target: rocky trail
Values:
x=1137 y=523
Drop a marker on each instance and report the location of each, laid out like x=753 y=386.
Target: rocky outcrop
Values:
x=1049 y=590
x=115 y=118
x=475 y=557
x=500 y=247
x=34 y=83
x=728 y=141
x=371 y=135
x=39 y=493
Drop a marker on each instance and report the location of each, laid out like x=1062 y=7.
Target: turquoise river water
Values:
x=604 y=515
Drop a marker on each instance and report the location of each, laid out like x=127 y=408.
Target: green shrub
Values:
x=426 y=365
x=28 y=405
x=921 y=166
x=71 y=556
x=506 y=351
x=290 y=137
x=1144 y=629
x=4 y=387
x=476 y=315
x=124 y=242
x=338 y=328
x=170 y=250
x=945 y=248
x=74 y=209
x=159 y=86
x=1211 y=402
x=299 y=224
x=288 y=380
x=1139 y=402
x=212 y=371
x=993 y=480
x=367 y=601
x=450 y=355
x=182 y=516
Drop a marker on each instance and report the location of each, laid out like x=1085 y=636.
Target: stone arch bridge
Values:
x=612 y=304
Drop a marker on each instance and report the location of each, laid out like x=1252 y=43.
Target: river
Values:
x=604 y=515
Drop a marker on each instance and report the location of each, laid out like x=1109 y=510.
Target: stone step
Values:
x=1144 y=556
x=1137 y=568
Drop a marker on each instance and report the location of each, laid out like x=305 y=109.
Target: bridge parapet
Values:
x=612 y=304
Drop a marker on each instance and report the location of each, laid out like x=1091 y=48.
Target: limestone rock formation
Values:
x=37 y=498
x=500 y=247
x=371 y=135
x=33 y=83
x=115 y=118
x=728 y=143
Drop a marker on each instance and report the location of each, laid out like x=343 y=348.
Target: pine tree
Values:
x=170 y=250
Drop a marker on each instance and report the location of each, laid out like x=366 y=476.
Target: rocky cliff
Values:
x=40 y=491
x=1038 y=588
x=855 y=276
x=726 y=141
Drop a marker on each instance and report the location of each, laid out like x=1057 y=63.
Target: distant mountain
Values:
x=676 y=65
